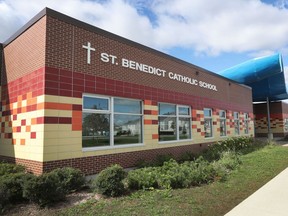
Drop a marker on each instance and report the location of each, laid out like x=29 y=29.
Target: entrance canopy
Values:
x=264 y=75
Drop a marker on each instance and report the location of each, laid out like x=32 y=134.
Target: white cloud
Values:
x=211 y=27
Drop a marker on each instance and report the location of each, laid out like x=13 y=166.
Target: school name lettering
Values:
x=141 y=67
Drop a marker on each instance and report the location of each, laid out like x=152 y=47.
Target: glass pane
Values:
x=95 y=103
x=236 y=115
x=237 y=128
x=95 y=129
x=207 y=113
x=127 y=106
x=208 y=127
x=246 y=116
x=184 y=111
x=222 y=114
x=246 y=125
x=222 y=127
x=127 y=129
x=167 y=128
x=167 y=109
x=286 y=125
x=184 y=128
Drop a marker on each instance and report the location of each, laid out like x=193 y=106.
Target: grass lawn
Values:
x=215 y=199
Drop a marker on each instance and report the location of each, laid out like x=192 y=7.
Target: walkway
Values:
x=269 y=200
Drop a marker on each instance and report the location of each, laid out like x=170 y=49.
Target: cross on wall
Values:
x=89 y=49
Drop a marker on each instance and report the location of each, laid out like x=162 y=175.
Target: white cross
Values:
x=89 y=49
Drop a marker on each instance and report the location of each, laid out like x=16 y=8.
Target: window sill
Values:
x=88 y=149
x=174 y=141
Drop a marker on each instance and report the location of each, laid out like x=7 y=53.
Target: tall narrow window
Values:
x=286 y=125
x=127 y=121
x=174 y=122
x=111 y=121
x=222 y=116
x=236 y=123
x=167 y=122
x=208 y=128
x=246 y=123
x=96 y=121
x=184 y=122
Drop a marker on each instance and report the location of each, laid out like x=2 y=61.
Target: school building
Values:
x=75 y=95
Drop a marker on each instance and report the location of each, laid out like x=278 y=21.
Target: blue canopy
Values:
x=264 y=75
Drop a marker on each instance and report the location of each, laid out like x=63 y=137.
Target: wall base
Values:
x=93 y=165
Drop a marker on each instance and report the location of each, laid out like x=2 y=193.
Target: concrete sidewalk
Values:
x=269 y=200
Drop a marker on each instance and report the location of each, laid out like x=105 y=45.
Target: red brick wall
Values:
x=66 y=53
x=278 y=112
x=26 y=53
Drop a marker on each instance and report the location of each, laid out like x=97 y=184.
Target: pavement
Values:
x=269 y=200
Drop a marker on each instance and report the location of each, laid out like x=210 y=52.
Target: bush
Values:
x=71 y=179
x=143 y=178
x=230 y=160
x=175 y=175
x=11 y=188
x=109 y=182
x=237 y=144
x=187 y=156
x=44 y=190
x=161 y=159
x=7 y=168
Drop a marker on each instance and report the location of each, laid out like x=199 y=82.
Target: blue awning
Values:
x=264 y=75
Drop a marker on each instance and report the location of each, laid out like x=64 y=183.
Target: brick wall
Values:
x=72 y=57
x=1 y=64
x=25 y=53
x=278 y=112
x=94 y=164
x=46 y=76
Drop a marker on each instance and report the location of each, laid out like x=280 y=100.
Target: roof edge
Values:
x=26 y=26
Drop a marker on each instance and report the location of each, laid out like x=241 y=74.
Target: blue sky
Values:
x=213 y=34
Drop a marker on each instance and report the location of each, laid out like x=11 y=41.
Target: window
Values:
x=246 y=123
x=208 y=128
x=236 y=123
x=222 y=116
x=286 y=125
x=174 y=122
x=111 y=121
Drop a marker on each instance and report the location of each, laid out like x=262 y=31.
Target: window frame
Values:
x=111 y=113
x=246 y=123
x=211 y=119
x=221 y=118
x=236 y=120
x=177 y=116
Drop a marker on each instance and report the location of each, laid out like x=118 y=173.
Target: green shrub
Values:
x=143 y=178
x=109 y=182
x=242 y=144
x=144 y=163
x=71 y=179
x=11 y=188
x=230 y=160
x=44 y=190
x=161 y=159
x=7 y=168
x=187 y=156
x=175 y=175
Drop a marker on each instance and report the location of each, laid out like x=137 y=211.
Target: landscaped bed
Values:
x=215 y=198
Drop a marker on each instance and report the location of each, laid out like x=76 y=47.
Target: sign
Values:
x=144 y=68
